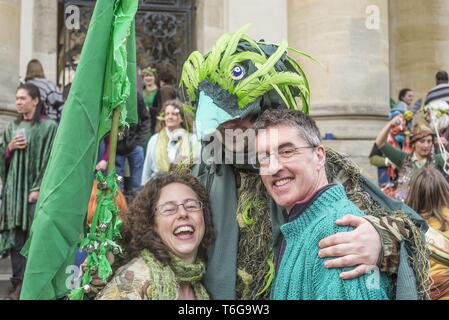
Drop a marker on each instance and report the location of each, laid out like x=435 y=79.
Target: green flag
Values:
x=105 y=79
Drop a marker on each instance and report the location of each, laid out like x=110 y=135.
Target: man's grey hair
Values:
x=305 y=125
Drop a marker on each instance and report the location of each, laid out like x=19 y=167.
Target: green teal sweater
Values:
x=302 y=274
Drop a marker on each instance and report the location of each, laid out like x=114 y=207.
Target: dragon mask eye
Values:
x=237 y=73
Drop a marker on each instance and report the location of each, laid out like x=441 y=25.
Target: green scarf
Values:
x=166 y=279
x=183 y=150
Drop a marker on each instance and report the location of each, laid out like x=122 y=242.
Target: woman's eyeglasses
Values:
x=171 y=207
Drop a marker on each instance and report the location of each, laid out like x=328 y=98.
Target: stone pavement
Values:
x=5 y=274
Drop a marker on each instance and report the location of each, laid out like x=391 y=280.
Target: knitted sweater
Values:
x=302 y=274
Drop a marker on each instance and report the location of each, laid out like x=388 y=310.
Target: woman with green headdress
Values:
x=172 y=145
x=149 y=93
x=166 y=236
x=150 y=85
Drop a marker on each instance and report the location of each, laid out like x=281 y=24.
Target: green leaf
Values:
x=302 y=53
x=104 y=268
x=282 y=81
x=287 y=99
x=253 y=44
x=232 y=46
x=244 y=56
x=266 y=67
x=268 y=279
x=193 y=72
x=77 y=294
x=87 y=278
x=305 y=95
x=245 y=217
x=213 y=58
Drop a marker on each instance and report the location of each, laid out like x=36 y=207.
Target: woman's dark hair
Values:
x=429 y=195
x=34 y=93
x=139 y=229
x=403 y=93
x=34 y=70
x=166 y=72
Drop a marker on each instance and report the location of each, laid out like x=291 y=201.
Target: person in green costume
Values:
x=149 y=93
x=228 y=88
x=24 y=153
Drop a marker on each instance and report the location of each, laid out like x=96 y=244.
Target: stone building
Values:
x=368 y=50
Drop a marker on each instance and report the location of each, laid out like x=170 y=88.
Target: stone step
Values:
x=5 y=275
x=4 y=288
x=5 y=269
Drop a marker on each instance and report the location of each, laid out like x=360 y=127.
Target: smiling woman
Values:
x=166 y=236
x=171 y=145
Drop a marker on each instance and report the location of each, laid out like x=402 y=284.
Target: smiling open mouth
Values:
x=282 y=182
x=184 y=232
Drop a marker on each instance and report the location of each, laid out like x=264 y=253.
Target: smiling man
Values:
x=229 y=87
x=292 y=167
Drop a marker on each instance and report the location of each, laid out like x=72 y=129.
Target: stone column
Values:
x=26 y=34
x=419 y=44
x=45 y=33
x=268 y=20
x=350 y=90
x=28 y=29
x=9 y=57
x=38 y=35
x=211 y=23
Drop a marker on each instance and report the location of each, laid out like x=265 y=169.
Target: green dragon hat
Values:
x=241 y=77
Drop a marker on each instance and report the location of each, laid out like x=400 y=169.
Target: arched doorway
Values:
x=164 y=33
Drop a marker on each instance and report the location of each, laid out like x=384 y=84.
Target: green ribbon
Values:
x=104 y=229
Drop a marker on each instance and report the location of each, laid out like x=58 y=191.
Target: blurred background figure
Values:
x=429 y=196
x=399 y=138
x=423 y=155
x=173 y=144
x=150 y=90
x=166 y=82
x=405 y=100
x=51 y=97
x=24 y=154
x=130 y=147
x=441 y=90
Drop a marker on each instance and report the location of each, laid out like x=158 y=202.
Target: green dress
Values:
x=22 y=175
x=148 y=97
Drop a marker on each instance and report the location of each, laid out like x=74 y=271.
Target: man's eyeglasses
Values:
x=171 y=207
x=284 y=155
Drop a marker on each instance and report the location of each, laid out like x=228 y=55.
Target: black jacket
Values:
x=137 y=133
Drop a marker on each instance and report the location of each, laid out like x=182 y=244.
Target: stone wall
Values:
x=419 y=44
x=350 y=88
x=211 y=23
x=268 y=20
x=45 y=35
x=9 y=55
x=22 y=39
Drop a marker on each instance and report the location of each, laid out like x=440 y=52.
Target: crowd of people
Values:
x=308 y=229
x=411 y=154
x=27 y=143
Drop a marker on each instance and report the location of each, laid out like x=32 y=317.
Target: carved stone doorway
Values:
x=164 y=33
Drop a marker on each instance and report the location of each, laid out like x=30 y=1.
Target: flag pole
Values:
x=108 y=192
x=113 y=139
